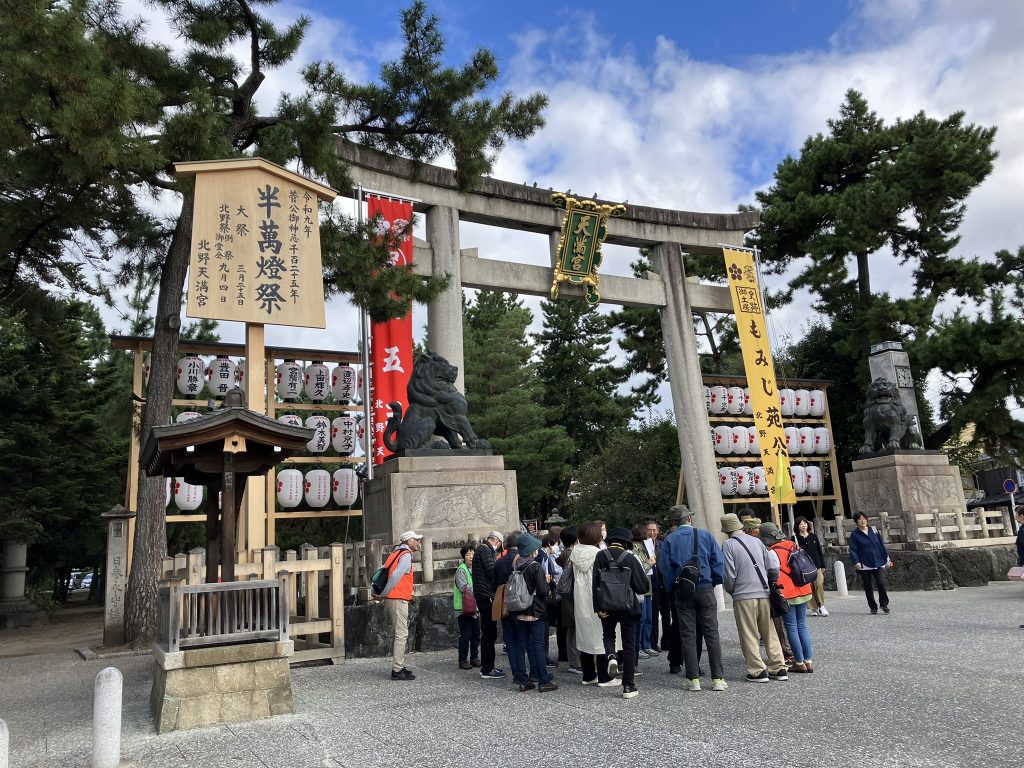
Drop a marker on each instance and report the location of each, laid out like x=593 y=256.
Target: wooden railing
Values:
x=197 y=615
x=934 y=529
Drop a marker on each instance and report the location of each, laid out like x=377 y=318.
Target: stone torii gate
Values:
x=667 y=233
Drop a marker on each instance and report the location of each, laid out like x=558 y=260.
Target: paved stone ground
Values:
x=938 y=683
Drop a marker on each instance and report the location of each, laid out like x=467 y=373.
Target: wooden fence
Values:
x=932 y=530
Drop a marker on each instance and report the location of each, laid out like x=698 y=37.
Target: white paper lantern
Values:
x=801 y=402
x=190 y=375
x=321 y=427
x=318 y=488
x=792 y=440
x=740 y=440
x=318 y=381
x=167 y=492
x=753 y=441
x=343 y=384
x=184 y=416
x=727 y=481
x=289 y=488
x=786 y=401
x=748 y=406
x=760 y=482
x=289 y=380
x=744 y=480
x=187 y=497
x=734 y=401
x=822 y=440
x=807 y=440
x=817 y=403
x=147 y=366
x=723 y=440
x=221 y=375
x=343 y=435
x=719 y=399
x=813 y=479
x=707 y=398
x=345 y=487
x=240 y=373
x=798 y=474
x=291 y=419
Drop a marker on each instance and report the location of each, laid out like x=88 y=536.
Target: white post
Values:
x=5 y=742
x=106 y=719
x=427 y=555
x=841 y=587
x=720 y=597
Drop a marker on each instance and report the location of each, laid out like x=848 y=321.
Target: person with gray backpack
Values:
x=618 y=580
x=526 y=594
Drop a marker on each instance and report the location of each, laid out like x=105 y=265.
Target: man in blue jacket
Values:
x=698 y=615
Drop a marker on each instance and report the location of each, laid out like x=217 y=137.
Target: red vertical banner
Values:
x=391 y=341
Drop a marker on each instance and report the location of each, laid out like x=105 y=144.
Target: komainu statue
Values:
x=436 y=407
x=886 y=423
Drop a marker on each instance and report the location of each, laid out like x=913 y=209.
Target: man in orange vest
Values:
x=398 y=594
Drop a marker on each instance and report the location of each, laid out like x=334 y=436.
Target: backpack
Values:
x=802 y=569
x=380 y=577
x=566 y=583
x=615 y=592
x=518 y=596
x=689 y=574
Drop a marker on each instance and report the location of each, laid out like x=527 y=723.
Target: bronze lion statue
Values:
x=436 y=407
x=886 y=420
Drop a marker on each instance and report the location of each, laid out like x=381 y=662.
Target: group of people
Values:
x=607 y=592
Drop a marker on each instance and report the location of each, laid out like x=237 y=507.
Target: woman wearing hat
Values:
x=530 y=624
x=795 y=618
x=620 y=555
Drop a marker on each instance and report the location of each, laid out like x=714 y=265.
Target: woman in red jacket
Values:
x=798 y=597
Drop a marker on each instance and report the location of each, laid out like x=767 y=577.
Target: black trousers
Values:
x=488 y=634
x=878 y=576
x=661 y=609
x=671 y=635
x=594 y=666
x=698 y=625
x=469 y=637
x=628 y=623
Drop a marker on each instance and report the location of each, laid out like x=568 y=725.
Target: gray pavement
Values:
x=938 y=683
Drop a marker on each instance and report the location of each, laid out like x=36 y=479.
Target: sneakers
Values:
x=651 y=651
x=494 y=674
x=782 y=674
x=813 y=613
x=693 y=684
x=575 y=671
x=885 y=609
x=546 y=687
x=608 y=683
x=629 y=692
x=643 y=654
x=823 y=611
x=637 y=673
x=760 y=677
x=465 y=665
x=524 y=687
x=718 y=684
x=590 y=682
x=402 y=674
x=551 y=663
x=874 y=611
x=613 y=666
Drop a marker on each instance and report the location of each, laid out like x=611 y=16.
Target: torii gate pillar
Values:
x=444 y=314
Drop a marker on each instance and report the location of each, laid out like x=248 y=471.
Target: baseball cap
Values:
x=409 y=535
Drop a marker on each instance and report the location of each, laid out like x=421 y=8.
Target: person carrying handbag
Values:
x=465 y=607
x=870 y=559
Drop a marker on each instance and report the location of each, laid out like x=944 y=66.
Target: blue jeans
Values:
x=799 y=636
x=530 y=638
x=645 y=623
x=516 y=652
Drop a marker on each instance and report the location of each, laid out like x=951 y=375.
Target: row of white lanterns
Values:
x=735 y=401
x=343 y=433
x=741 y=440
x=292 y=380
x=752 y=481
x=317 y=488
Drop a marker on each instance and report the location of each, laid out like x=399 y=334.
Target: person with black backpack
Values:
x=618 y=579
x=692 y=562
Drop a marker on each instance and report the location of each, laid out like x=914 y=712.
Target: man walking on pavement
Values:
x=397 y=594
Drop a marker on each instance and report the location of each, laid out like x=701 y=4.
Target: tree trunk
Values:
x=141 y=620
x=864 y=286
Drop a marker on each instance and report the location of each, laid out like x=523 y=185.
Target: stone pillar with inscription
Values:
x=889 y=361
x=115 y=575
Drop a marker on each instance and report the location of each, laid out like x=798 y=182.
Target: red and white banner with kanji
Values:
x=391 y=341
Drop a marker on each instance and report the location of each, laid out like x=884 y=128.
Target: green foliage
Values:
x=633 y=479
x=504 y=395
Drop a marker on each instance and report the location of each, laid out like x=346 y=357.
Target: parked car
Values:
x=87 y=581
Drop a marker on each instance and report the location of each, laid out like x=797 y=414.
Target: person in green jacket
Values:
x=469 y=624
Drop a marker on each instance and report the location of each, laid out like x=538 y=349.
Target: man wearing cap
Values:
x=483 y=591
x=398 y=594
x=697 y=615
x=747 y=576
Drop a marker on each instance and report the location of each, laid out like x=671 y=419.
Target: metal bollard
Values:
x=106 y=719
x=5 y=743
x=720 y=596
x=841 y=587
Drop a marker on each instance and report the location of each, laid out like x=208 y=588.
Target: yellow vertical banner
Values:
x=760 y=370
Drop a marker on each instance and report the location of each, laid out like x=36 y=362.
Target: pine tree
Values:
x=504 y=395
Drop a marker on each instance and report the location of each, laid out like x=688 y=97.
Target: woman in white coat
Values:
x=589 y=632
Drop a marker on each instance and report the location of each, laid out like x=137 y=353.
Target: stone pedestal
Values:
x=15 y=609
x=905 y=484
x=228 y=684
x=449 y=497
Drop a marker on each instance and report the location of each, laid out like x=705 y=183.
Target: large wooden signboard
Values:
x=255 y=244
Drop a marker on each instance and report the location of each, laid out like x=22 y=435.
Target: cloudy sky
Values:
x=691 y=105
